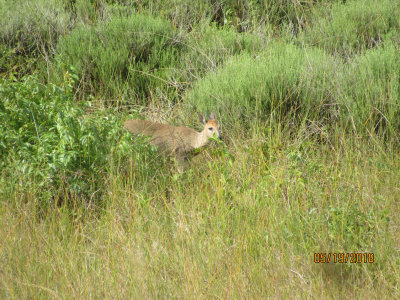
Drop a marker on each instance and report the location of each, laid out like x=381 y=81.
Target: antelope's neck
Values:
x=201 y=139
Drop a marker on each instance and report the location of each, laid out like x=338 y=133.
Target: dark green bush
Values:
x=47 y=140
x=354 y=26
x=128 y=55
x=14 y=65
x=280 y=80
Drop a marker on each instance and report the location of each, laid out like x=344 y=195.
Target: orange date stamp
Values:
x=343 y=258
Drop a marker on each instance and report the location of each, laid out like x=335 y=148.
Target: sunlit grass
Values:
x=245 y=224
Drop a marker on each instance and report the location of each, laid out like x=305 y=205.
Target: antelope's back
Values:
x=167 y=138
x=141 y=127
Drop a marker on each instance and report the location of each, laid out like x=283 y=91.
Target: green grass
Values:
x=208 y=47
x=127 y=55
x=309 y=163
x=29 y=29
x=372 y=88
x=346 y=29
x=230 y=229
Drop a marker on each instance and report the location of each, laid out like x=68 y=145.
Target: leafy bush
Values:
x=372 y=88
x=282 y=79
x=354 y=26
x=49 y=141
x=127 y=54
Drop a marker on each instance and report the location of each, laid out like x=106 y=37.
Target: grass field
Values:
x=308 y=96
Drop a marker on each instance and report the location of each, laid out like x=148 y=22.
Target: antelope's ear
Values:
x=202 y=119
x=212 y=115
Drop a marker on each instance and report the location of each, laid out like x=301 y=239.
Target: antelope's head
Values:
x=211 y=127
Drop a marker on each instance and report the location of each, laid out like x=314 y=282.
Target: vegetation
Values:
x=281 y=79
x=307 y=93
x=127 y=55
x=355 y=26
x=372 y=89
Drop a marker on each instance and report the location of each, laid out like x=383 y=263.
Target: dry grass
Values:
x=226 y=228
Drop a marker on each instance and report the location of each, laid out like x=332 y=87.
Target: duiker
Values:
x=176 y=141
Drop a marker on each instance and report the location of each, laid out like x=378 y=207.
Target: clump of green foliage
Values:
x=126 y=55
x=283 y=79
x=349 y=28
x=53 y=143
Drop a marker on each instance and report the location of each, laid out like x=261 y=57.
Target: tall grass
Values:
x=32 y=26
x=30 y=29
x=247 y=227
x=244 y=15
x=372 y=87
x=349 y=28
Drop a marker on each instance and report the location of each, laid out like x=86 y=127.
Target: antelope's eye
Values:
x=210 y=128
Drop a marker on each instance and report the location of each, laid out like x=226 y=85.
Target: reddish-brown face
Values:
x=212 y=128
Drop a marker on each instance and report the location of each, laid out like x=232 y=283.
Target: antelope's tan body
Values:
x=178 y=141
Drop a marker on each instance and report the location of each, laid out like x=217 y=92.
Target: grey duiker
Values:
x=178 y=141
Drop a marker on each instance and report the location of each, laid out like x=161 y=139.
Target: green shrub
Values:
x=372 y=90
x=282 y=79
x=354 y=26
x=47 y=140
x=126 y=55
x=208 y=47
